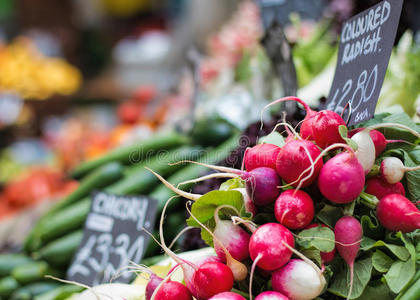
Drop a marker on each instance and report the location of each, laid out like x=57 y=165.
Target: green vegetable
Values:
x=7 y=286
x=162 y=193
x=133 y=153
x=61 y=223
x=321 y=238
x=34 y=289
x=60 y=251
x=140 y=181
x=99 y=178
x=211 y=132
x=60 y=293
x=341 y=280
x=203 y=209
x=10 y=261
x=32 y=272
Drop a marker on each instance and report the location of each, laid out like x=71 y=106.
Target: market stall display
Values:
x=231 y=194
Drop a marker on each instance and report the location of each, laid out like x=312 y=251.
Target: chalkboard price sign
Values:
x=365 y=48
x=113 y=236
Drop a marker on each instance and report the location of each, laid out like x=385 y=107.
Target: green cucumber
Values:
x=60 y=251
x=31 y=290
x=60 y=293
x=133 y=153
x=33 y=271
x=99 y=178
x=162 y=193
x=139 y=182
x=7 y=286
x=9 y=261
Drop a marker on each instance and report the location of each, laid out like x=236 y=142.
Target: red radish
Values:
x=294 y=158
x=322 y=127
x=271 y=295
x=326 y=257
x=294 y=209
x=227 y=296
x=266 y=246
x=298 y=280
x=205 y=280
x=392 y=169
x=380 y=188
x=261 y=183
x=152 y=284
x=342 y=178
x=249 y=204
x=348 y=234
x=262 y=155
x=233 y=237
x=211 y=279
x=238 y=269
x=397 y=213
x=172 y=290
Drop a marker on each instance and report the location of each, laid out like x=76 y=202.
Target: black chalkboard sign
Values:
x=279 y=10
x=113 y=237
x=365 y=48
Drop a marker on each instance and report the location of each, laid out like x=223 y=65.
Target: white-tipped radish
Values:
x=238 y=269
x=205 y=280
x=298 y=280
x=232 y=237
x=271 y=295
x=392 y=169
x=365 y=152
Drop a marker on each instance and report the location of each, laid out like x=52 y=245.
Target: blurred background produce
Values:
x=84 y=83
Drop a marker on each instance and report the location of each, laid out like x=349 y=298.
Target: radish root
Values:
x=251 y=276
x=173 y=188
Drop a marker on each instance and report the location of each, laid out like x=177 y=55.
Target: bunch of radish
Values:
x=261 y=244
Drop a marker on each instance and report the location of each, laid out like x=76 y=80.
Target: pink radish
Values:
x=172 y=290
x=261 y=183
x=348 y=234
x=294 y=209
x=233 y=237
x=262 y=155
x=397 y=213
x=266 y=246
x=203 y=281
x=392 y=169
x=326 y=257
x=342 y=178
x=227 y=296
x=298 y=280
x=380 y=188
x=271 y=295
x=322 y=127
x=294 y=158
x=238 y=269
x=366 y=151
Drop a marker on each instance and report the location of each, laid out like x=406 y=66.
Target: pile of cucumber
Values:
x=49 y=247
